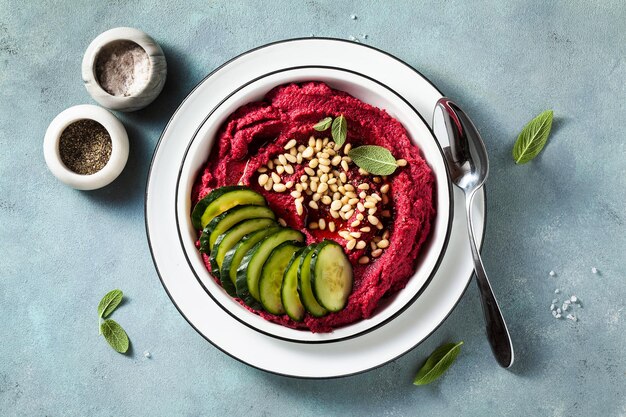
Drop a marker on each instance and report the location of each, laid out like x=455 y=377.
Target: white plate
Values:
x=341 y=358
x=369 y=91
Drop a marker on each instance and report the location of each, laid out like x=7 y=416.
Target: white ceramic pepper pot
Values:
x=145 y=90
x=119 y=147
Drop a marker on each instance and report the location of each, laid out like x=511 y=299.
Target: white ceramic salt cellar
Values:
x=146 y=90
x=119 y=147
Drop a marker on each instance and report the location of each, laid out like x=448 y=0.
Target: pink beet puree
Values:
x=258 y=132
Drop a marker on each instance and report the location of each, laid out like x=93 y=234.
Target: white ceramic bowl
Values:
x=368 y=91
x=119 y=147
x=154 y=84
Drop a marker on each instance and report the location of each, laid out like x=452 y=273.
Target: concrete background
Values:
x=61 y=249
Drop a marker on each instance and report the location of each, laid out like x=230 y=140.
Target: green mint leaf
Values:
x=109 y=303
x=374 y=159
x=533 y=138
x=323 y=124
x=437 y=363
x=339 y=130
x=114 y=335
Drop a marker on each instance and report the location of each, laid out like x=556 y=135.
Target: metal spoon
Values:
x=468 y=164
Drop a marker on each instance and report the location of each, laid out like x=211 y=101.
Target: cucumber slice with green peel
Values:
x=222 y=199
x=228 y=219
x=233 y=257
x=272 y=274
x=331 y=276
x=304 y=284
x=227 y=241
x=289 y=290
x=249 y=270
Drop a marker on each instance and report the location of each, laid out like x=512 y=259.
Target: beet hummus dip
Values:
x=257 y=133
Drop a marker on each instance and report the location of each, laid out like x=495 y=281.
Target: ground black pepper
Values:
x=85 y=147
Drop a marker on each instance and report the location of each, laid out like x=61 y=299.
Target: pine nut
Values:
x=279 y=188
x=322 y=224
x=336 y=160
x=282 y=160
x=376 y=253
x=326 y=200
x=312 y=142
x=364 y=186
x=361 y=244
x=344 y=234
x=353 y=201
x=313 y=205
x=349 y=214
x=299 y=208
x=401 y=162
x=372 y=219
x=365 y=229
x=325 y=168
x=355 y=235
x=299 y=187
x=360 y=207
x=299 y=158
x=386 y=213
x=275 y=177
x=289 y=169
x=372 y=211
x=349 y=187
x=384 y=189
x=308 y=153
x=355 y=223
x=383 y=244
x=261 y=170
x=280 y=169
x=282 y=222
x=324 y=178
x=344 y=165
x=386 y=234
x=364 y=260
x=322 y=188
x=336 y=205
x=270 y=164
x=362 y=194
x=301 y=148
x=295 y=194
x=313 y=225
x=334 y=214
x=360 y=216
x=343 y=177
x=319 y=144
x=290 y=158
x=346 y=149
x=346 y=207
x=369 y=204
x=289 y=184
x=331 y=226
x=351 y=244
x=263 y=179
x=290 y=144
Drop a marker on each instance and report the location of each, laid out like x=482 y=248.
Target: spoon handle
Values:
x=497 y=332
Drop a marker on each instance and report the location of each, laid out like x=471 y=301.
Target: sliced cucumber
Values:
x=233 y=257
x=222 y=199
x=249 y=271
x=228 y=219
x=272 y=276
x=331 y=275
x=289 y=290
x=228 y=240
x=304 y=284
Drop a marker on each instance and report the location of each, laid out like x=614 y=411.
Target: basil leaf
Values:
x=323 y=124
x=437 y=363
x=339 y=130
x=109 y=303
x=114 y=335
x=374 y=159
x=533 y=138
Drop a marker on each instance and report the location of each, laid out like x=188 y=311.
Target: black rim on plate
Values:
x=148 y=229
x=435 y=266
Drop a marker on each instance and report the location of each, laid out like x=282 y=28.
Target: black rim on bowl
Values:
x=212 y=73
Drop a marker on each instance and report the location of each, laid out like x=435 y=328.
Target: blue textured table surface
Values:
x=504 y=62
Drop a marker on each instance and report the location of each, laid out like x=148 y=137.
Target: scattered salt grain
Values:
x=552 y=273
x=558 y=310
x=552 y=306
x=147 y=354
x=554 y=301
x=554 y=313
x=565 y=307
x=558 y=316
x=572 y=317
x=594 y=270
x=353 y=16
x=573 y=299
x=557 y=291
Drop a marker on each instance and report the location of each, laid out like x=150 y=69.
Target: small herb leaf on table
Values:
x=437 y=363
x=109 y=303
x=115 y=335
